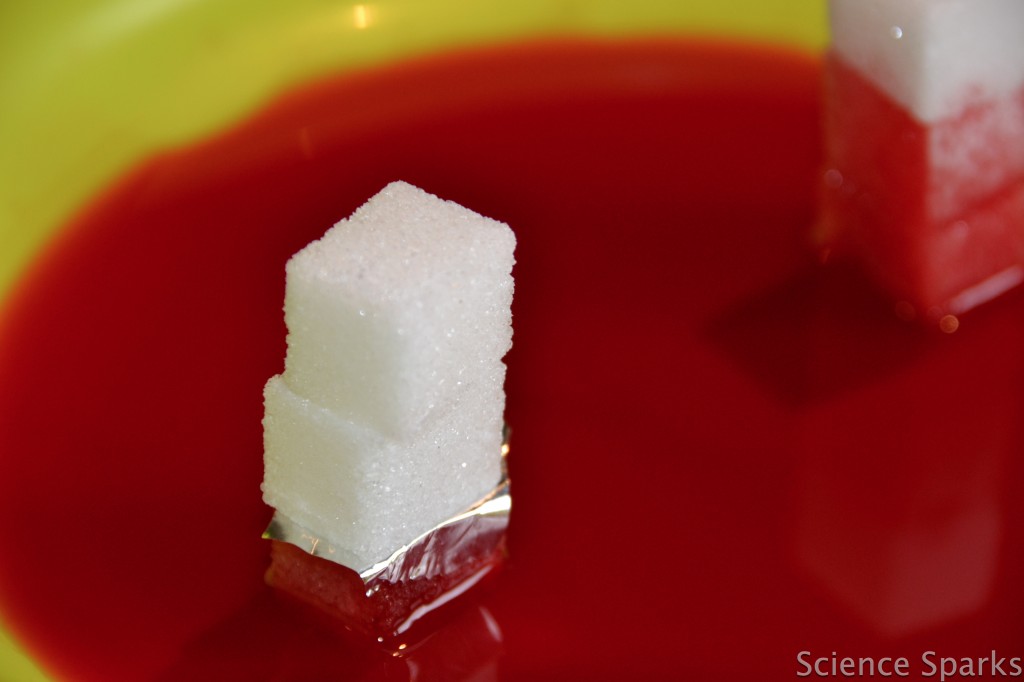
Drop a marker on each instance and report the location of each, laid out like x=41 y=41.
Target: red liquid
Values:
x=722 y=454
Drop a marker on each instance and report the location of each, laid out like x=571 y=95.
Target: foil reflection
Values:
x=468 y=650
x=272 y=638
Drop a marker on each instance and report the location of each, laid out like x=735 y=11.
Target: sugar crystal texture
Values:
x=398 y=308
x=387 y=419
x=366 y=494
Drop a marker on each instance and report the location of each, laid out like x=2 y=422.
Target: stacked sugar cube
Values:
x=925 y=146
x=388 y=417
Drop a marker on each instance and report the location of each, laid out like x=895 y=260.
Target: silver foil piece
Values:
x=439 y=551
x=434 y=552
x=417 y=578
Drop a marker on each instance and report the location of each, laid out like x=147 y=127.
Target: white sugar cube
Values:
x=399 y=307
x=366 y=494
x=934 y=57
x=387 y=419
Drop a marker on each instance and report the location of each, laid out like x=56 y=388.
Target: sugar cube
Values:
x=933 y=57
x=388 y=417
x=925 y=146
x=398 y=308
x=366 y=494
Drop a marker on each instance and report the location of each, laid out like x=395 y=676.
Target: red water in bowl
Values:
x=723 y=453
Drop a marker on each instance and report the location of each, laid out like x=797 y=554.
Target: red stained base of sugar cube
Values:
x=925 y=228
x=383 y=610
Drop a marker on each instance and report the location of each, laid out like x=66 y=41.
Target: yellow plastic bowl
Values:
x=91 y=87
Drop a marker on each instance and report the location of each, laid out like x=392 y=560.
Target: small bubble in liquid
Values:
x=949 y=323
x=896 y=32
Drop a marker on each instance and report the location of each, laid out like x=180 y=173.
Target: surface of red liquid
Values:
x=723 y=454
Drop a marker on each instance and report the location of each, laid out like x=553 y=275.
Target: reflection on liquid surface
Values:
x=903 y=444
